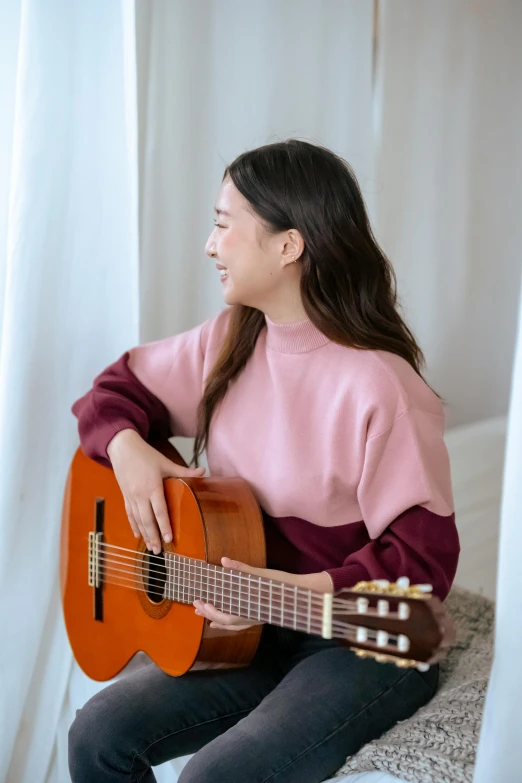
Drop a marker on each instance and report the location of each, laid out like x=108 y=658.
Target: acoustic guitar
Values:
x=119 y=599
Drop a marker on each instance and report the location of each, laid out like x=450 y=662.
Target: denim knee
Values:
x=81 y=742
x=91 y=743
x=215 y=763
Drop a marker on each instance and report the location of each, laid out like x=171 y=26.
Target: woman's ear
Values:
x=293 y=247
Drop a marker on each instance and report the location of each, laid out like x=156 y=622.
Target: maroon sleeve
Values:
x=118 y=401
x=418 y=544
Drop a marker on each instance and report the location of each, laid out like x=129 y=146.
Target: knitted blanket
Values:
x=438 y=744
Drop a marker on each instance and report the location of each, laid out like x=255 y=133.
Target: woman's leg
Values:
x=148 y=717
x=329 y=705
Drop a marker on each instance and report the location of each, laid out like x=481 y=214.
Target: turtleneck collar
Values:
x=294 y=338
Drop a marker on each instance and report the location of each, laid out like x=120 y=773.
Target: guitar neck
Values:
x=250 y=597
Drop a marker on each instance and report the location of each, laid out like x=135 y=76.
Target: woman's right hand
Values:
x=140 y=470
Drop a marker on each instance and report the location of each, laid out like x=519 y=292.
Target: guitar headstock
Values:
x=393 y=622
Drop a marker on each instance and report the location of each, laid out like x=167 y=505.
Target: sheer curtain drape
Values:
x=68 y=277
x=448 y=187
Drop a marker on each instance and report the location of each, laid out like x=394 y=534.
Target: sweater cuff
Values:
x=347 y=576
x=112 y=428
x=94 y=444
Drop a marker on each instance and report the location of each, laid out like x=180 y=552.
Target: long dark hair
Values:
x=348 y=286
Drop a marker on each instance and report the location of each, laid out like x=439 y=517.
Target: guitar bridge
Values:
x=95 y=570
x=95 y=540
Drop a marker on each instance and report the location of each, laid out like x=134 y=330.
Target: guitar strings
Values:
x=210 y=569
x=186 y=582
x=265 y=617
x=303 y=594
x=189 y=584
x=192 y=578
x=289 y=618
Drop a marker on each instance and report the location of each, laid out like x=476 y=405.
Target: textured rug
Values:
x=438 y=744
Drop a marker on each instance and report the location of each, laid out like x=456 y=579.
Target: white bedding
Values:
x=168 y=773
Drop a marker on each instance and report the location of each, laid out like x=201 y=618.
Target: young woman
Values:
x=309 y=387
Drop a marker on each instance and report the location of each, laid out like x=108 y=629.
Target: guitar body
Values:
x=210 y=517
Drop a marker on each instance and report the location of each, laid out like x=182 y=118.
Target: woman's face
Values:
x=251 y=261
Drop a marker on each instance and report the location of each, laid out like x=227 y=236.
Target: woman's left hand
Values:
x=230 y=622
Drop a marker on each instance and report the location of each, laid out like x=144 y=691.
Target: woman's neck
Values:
x=288 y=310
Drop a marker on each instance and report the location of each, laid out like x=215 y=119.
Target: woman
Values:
x=309 y=387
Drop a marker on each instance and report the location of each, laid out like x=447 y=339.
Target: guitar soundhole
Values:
x=156 y=576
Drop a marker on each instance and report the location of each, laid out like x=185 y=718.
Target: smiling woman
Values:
x=308 y=387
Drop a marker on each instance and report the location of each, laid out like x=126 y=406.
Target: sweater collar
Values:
x=294 y=338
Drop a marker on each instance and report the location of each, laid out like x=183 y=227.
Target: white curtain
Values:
x=69 y=296
x=448 y=187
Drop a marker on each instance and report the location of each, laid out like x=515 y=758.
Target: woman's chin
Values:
x=233 y=297
x=228 y=295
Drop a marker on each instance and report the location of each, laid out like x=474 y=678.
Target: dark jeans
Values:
x=293 y=716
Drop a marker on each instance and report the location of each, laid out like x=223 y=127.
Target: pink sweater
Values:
x=343 y=448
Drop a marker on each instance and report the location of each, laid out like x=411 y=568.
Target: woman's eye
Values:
x=219 y=225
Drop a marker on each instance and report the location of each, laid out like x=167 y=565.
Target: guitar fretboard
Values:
x=246 y=595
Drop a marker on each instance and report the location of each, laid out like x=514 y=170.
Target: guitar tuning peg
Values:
x=424 y=588
x=423 y=667
x=403 y=643
x=361 y=634
x=381 y=582
x=403 y=582
x=362 y=605
x=382 y=608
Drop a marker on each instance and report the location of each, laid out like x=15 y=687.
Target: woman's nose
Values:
x=210 y=248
